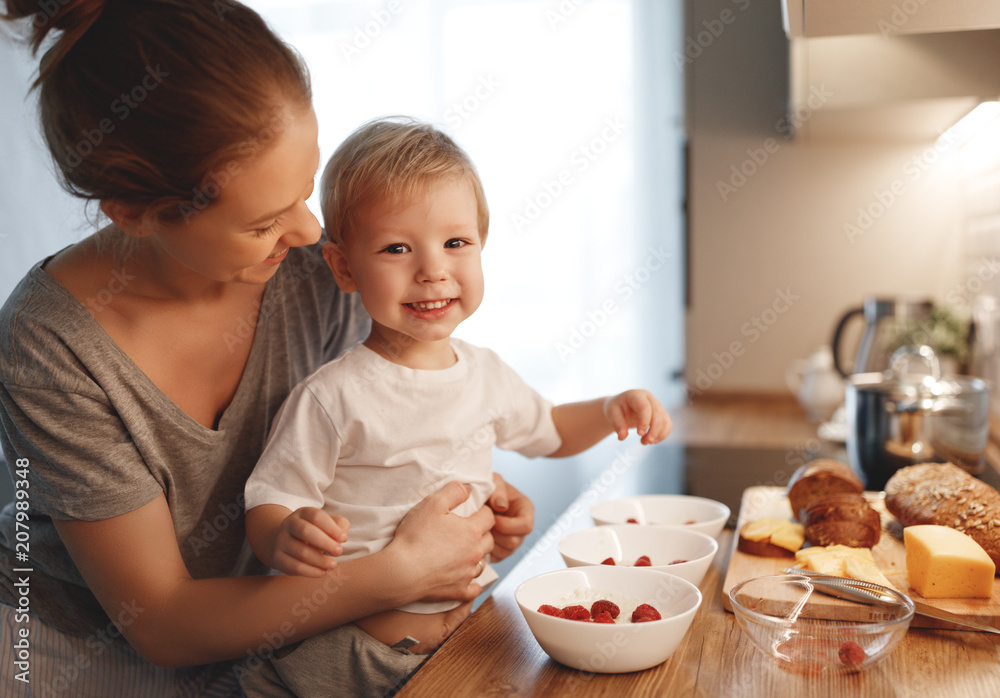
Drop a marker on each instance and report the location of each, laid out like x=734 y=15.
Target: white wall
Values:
x=784 y=229
x=39 y=218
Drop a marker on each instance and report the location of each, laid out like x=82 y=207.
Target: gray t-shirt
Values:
x=100 y=439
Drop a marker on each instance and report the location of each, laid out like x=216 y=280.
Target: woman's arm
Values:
x=133 y=562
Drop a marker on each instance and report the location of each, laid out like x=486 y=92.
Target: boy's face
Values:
x=417 y=266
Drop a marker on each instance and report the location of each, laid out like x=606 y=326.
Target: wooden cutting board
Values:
x=889 y=554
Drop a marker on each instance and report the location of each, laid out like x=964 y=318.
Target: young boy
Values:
x=367 y=436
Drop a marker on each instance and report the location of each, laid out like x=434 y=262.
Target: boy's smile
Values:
x=418 y=268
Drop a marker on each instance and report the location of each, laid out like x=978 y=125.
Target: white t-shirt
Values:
x=368 y=439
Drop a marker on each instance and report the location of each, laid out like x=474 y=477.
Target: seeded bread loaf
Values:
x=845 y=518
x=819 y=479
x=943 y=494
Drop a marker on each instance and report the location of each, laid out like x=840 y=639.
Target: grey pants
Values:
x=343 y=662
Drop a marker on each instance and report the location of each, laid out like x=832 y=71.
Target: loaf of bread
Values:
x=845 y=518
x=943 y=494
x=819 y=479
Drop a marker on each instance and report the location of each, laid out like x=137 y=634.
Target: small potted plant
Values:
x=943 y=330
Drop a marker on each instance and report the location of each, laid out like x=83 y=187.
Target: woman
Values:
x=141 y=367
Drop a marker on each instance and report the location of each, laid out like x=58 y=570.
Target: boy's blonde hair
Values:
x=385 y=160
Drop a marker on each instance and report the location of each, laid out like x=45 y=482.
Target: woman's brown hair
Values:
x=153 y=104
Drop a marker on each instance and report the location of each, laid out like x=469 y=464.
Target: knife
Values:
x=918 y=607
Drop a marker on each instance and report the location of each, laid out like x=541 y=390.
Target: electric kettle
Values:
x=880 y=315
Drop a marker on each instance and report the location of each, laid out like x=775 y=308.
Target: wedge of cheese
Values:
x=842 y=561
x=944 y=563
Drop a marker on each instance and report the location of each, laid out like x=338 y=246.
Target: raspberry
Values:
x=851 y=654
x=643 y=561
x=645 y=612
x=604 y=606
x=550 y=610
x=576 y=613
x=609 y=561
x=603 y=617
x=631 y=520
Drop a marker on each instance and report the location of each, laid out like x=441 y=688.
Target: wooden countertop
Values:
x=493 y=653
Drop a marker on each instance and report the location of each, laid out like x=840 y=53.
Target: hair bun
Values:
x=72 y=17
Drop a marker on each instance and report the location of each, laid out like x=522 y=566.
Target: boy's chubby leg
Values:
x=429 y=629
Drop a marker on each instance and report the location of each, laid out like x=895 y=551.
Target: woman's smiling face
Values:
x=260 y=210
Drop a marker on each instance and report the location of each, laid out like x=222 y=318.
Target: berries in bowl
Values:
x=678 y=551
x=695 y=513
x=568 y=613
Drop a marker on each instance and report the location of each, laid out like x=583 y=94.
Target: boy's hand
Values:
x=641 y=410
x=308 y=541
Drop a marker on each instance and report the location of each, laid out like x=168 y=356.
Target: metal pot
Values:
x=897 y=418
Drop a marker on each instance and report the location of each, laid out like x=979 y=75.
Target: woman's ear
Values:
x=126 y=218
x=335 y=258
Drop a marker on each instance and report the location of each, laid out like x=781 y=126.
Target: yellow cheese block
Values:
x=944 y=563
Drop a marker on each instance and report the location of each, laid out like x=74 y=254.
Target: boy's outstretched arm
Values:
x=583 y=424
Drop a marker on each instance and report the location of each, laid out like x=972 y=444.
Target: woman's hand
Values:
x=441 y=551
x=514 y=518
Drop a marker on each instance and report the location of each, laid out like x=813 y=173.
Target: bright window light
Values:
x=972 y=123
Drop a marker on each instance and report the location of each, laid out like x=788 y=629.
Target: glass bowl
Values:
x=788 y=619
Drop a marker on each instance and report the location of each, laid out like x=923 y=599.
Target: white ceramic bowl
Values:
x=696 y=513
x=609 y=648
x=624 y=543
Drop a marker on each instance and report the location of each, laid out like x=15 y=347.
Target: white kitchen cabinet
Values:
x=814 y=18
x=906 y=87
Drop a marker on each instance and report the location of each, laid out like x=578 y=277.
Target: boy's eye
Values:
x=454 y=243
x=397 y=248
